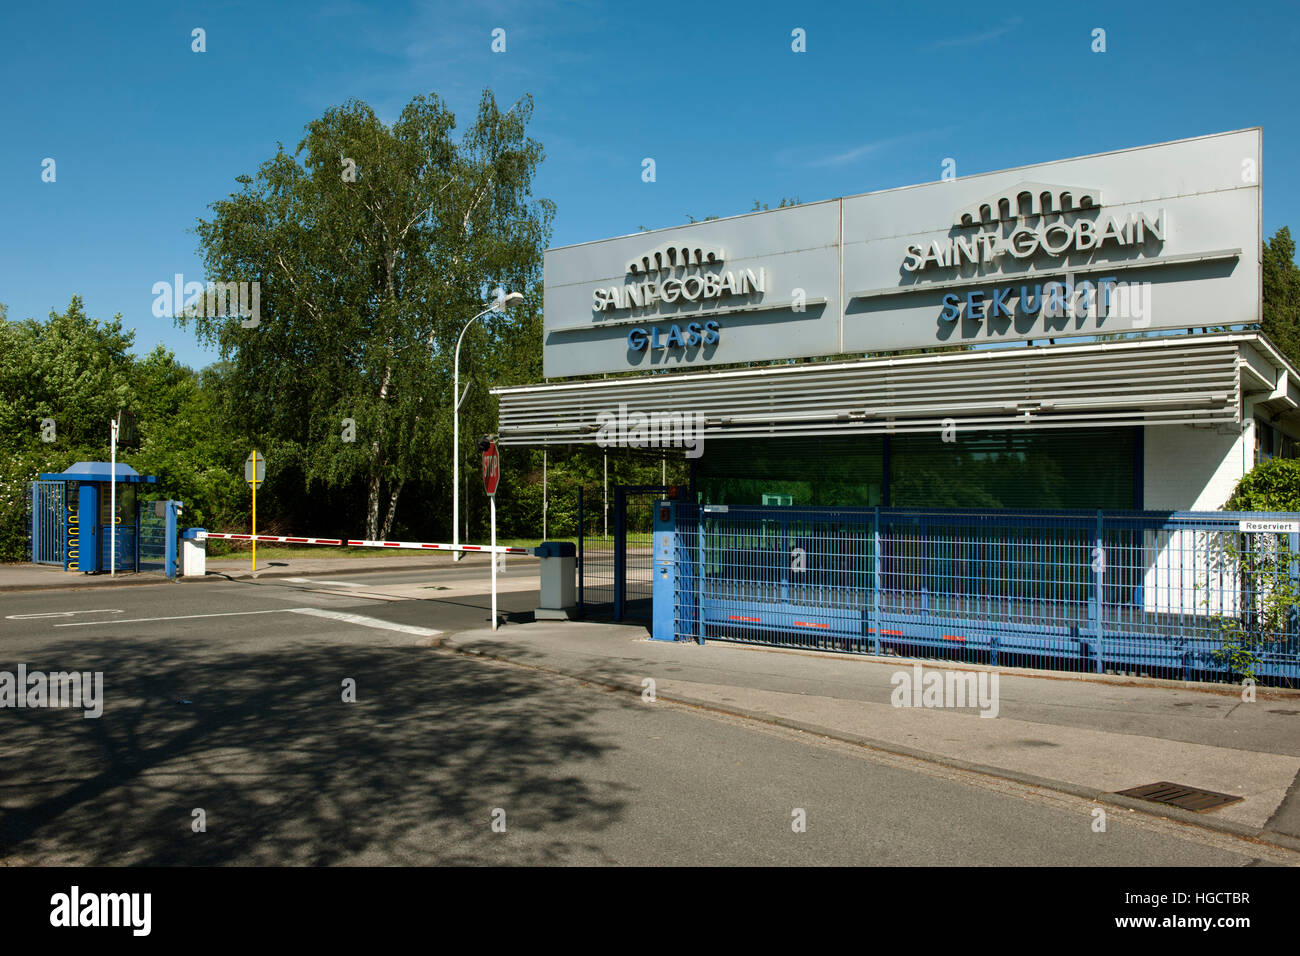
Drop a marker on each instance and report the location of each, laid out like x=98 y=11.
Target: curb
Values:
x=88 y=586
x=1256 y=834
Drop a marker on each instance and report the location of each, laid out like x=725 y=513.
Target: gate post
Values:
x=582 y=533
x=170 y=562
x=700 y=572
x=664 y=573
x=1293 y=583
x=875 y=583
x=35 y=550
x=620 y=550
x=1099 y=579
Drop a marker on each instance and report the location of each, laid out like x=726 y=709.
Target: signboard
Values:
x=1158 y=237
x=491 y=469
x=1275 y=527
x=255 y=469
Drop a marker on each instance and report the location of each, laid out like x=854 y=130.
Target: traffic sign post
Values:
x=491 y=476
x=254 y=474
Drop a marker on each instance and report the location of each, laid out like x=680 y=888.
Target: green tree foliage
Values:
x=366 y=283
x=1265 y=564
x=71 y=368
x=79 y=372
x=1281 y=281
x=185 y=441
x=1272 y=485
x=73 y=371
x=782 y=204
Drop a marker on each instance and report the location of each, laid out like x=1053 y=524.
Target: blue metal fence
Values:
x=47 y=514
x=151 y=554
x=1186 y=595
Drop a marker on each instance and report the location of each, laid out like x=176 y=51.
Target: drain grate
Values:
x=1177 y=795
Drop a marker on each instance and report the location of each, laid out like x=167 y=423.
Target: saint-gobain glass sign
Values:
x=1162 y=236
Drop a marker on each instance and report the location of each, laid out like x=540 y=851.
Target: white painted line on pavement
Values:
x=181 y=617
x=312 y=611
x=33 y=617
x=366 y=621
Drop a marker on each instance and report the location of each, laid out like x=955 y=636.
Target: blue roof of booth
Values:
x=98 y=471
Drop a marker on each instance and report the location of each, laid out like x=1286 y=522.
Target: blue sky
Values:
x=146 y=133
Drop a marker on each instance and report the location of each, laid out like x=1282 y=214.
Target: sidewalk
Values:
x=40 y=577
x=1087 y=737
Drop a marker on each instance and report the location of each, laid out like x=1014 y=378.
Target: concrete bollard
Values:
x=194 y=554
x=558 y=563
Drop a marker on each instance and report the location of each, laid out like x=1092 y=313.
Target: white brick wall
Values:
x=1192 y=468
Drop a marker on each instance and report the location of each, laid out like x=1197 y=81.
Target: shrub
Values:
x=1273 y=485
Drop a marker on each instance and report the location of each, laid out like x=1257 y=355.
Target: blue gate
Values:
x=45 y=499
x=633 y=558
x=1187 y=595
x=151 y=543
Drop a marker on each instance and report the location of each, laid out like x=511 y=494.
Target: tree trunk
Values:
x=392 y=510
x=372 y=493
x=372 y=506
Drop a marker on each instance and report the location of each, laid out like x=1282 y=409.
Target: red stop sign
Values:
x=491 y=469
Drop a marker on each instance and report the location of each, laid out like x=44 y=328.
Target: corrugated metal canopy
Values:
x=99 y=471
x=1190 y=379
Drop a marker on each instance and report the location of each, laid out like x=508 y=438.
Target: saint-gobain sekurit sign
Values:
x=1158 y=237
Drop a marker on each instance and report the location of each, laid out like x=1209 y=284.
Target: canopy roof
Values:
x=99 y=471
x=1185 y=379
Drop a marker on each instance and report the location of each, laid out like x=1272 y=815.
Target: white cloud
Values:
x=973 y=39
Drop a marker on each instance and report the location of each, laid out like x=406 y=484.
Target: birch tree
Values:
x=373 y=245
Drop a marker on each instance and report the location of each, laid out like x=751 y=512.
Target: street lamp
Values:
x=507 y=298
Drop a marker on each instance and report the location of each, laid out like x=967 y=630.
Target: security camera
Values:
x=485 y=442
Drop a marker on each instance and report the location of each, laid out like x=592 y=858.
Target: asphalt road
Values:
x=226 y=697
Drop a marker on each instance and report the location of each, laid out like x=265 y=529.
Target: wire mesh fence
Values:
x=596 y=563
x=46 y=514
x=1192 y=596
x=152 y=544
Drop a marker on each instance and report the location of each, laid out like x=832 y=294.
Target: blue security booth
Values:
x=71 y=520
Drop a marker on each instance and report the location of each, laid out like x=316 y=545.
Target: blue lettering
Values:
x=654 y=337
x=975 y=305
x=711 y=332
x=636 y=339
x=1031 y=304
x=951 y=307
x=1001 y=303
x=693 y=335
x=674 y=338
x=1106 y=283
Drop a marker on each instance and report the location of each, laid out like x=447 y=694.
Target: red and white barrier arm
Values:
x=354 y=543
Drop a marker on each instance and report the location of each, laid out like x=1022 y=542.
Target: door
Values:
x=88 y=528
x=634 y=550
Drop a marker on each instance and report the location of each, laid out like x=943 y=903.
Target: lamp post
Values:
x=507 y=298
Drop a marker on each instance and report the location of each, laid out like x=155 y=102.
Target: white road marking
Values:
x=366 y=621
x=312 y=611
x=339 y=584
x=33 y=617
x=180 y=617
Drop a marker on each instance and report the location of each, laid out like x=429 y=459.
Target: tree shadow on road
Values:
x=287 y=773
